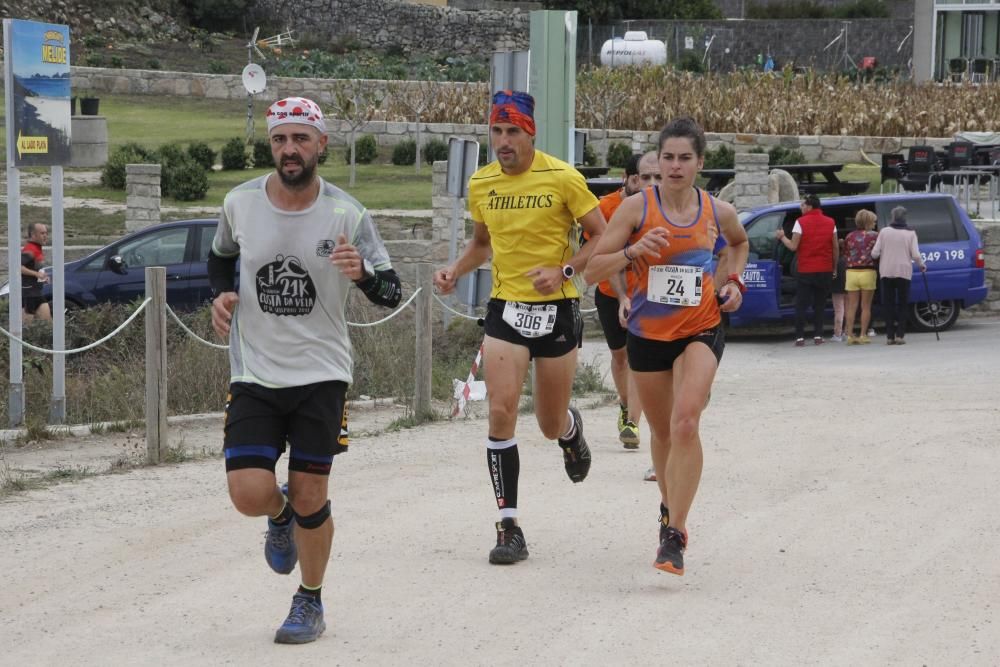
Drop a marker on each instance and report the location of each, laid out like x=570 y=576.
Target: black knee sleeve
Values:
x=316 y=520
x=505 y=467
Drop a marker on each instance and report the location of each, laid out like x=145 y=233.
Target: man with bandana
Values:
x=524 y=206
x=301 y=243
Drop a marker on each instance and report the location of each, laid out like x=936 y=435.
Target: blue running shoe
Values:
x=279 y=544
x=304 y=623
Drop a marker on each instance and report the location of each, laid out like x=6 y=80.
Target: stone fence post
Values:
x=751 y=180
x=142 y=201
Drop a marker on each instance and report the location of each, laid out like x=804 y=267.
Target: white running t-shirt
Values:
x=289 y=327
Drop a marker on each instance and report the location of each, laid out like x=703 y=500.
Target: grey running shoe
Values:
x=670 y=555
x=304 y=623
x=511 y=546
x=576 y=454
x=629 y=435
x=279 y=544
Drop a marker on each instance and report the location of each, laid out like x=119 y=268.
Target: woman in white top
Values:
x=896 y=248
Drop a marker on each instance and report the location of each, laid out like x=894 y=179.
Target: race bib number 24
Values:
x=675 y=285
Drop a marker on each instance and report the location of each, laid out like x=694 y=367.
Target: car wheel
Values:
x=926 y=315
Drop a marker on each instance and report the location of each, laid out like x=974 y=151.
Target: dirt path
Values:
x=847 y=515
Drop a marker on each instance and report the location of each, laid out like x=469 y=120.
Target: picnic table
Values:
x=603 y=186
x=815 y=179
x=717 y=178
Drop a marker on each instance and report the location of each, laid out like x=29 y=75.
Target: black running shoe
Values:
x=576 y=453
x=511 y=546
x=670 y=555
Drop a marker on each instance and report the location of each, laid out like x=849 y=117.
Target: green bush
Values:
x=188 y=180
x=94 y=60
x=113 y=173
x=589 y=156
x=168 y=155
x=781 y=155
x=217 y=67
x=324 y=154
x=262 y=156
x=217 y=15
x=722 y=157
x=202 y=153
x=365 y=150
x=484 y=153
x=233 y=155
x=435 y=150
x=404 y=153
x=618 y=154
x=152 y=63
x=690 y=61
x=808 y=9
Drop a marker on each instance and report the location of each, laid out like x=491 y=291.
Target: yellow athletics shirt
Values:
x=529 y=217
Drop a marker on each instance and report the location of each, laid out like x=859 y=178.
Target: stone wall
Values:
x=815 y=148
x=142 y=196
x=750 y=181
x=411 y=28
x=990 y=232
x=230 y=86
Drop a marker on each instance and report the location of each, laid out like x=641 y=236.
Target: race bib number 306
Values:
x=675 y=285
x=531 y=320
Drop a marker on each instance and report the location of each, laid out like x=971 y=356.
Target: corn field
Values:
x=644 y=98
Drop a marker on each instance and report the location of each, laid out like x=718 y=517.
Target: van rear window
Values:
x=934 y=220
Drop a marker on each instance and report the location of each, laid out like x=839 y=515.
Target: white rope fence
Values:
x=85 y=347
x=188 y=331
x=218 y=346
x=453 y=311
x=390 y=315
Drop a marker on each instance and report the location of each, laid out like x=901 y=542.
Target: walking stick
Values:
x=933 y=308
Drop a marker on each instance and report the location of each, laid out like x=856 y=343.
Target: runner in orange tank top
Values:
x=611 y=300
x=675 y=341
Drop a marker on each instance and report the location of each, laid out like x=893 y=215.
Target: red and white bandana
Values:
x=295 y=110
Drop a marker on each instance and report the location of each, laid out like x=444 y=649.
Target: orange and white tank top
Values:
x=673 y=295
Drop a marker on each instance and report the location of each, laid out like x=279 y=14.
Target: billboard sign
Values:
x=38 y=75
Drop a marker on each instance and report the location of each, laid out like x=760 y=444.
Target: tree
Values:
x=602 y=103
x=609 y=11
x=417 y=98
x=356 y=103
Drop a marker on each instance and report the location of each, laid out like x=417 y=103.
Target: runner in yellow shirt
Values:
x=524 y=205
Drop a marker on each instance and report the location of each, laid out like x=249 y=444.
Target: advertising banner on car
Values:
x=37 y=80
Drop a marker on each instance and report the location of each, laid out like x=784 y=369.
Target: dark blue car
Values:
x=116 y=272
x=949 y=243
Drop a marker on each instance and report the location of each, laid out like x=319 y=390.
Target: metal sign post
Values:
x=508 y=71
x=463 y=160
x=553 y=81
x=37 y=85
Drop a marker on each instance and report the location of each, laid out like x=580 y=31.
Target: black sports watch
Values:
x=568 y=271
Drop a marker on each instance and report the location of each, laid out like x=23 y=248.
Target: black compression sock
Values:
x=505 y=467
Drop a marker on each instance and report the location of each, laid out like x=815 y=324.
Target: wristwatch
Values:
x=735 y=278
x=568 y=271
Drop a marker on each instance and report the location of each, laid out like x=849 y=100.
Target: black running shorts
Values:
x=311 y=419
x=32 y=303
x=567 y=331
x=607 y=313
x=649 y=356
